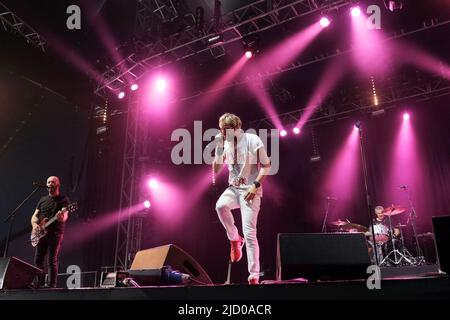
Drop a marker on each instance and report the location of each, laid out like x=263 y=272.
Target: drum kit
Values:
x=389 y=240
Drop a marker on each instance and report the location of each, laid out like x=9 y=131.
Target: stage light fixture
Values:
x=355 y=11
x=296 y=130
x=251 y=46
x=153 y=184
x=283 y=133
x=147 y=204
x=406 y=116
x=134 y=87
x=161 y=84
x=324 y=21
x=393 y=5
x=215 y=39
x=121 y=95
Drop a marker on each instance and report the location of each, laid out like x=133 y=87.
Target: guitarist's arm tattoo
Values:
x=34 y=218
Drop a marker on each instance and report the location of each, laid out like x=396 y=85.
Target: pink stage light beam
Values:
x=77 y=234
x=342 y=178
x=331 y=76
x=371 y=54
x=408 y=53
x=406 y=164
x=288 y=50
x=266 y=103
x=106 y=38
x=211 y=93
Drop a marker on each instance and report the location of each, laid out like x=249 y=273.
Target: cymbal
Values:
x=338 y=223
x=400 y=225
x=353 y=227
x=394 y=210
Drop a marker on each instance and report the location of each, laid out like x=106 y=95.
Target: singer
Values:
x=248 y=164
x=48 y=206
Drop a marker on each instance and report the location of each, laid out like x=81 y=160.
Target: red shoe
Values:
x=236 y=250
x=253 y=281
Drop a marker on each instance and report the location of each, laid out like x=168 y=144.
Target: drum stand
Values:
x=399 y=256
x=412 y=217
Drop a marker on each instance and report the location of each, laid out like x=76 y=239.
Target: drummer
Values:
x=381 y=219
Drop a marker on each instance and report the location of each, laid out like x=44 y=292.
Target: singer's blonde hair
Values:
x=230 y=120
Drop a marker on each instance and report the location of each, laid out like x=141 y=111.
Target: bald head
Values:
x=53 y=185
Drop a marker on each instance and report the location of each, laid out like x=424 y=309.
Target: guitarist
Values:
x=49 y=206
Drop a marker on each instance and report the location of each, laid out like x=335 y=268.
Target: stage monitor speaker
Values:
x=17 y=274
x=322 y=256
x=441 y=228
x=170 y=255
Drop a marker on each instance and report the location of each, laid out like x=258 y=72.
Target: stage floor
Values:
x=425 y=286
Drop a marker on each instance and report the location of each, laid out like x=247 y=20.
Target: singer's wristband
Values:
x=219 y=151
x=257 y=184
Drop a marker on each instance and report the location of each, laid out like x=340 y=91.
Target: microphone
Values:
x=403 y=186
x=40 y=185
x=332 y=198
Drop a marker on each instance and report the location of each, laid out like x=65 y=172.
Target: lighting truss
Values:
x=267 y=75
x=14 y=24
x=245 y=21
x=397 y=91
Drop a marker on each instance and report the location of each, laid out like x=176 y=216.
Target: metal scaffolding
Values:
x=240 y=23
x=134 y=169
x=263 y=75
x=125 y=239
x=14 y=24
x=405 y=88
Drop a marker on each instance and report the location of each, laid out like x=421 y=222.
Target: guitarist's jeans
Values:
x=233 y=198
x=49 y=245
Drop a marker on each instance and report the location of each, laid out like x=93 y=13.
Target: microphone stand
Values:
x=11 y=220
x=412 y=217
x=366 y=184
x=324 y=227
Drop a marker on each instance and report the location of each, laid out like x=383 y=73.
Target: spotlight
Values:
x=251 y=46
x=215 y=40
x=161 y=84
x=134 y=87
x=324 y=22
x=355 y=11
x=147 y=204
x=357 y=125
x=153 y=184
x=406 y=116
x=296 y=130
x=283 y=133
x=121 y=95
x=393 y=5
x=378 y=113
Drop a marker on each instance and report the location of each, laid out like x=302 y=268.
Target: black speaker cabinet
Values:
x=170 y=255
x=441 y=228
x=322 y=256
x=17 y=274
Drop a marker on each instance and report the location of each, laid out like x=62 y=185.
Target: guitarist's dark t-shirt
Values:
x=48 y=206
